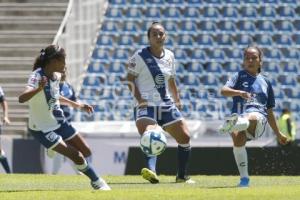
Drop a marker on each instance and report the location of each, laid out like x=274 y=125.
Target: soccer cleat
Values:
x=186 y=179
x=244 y=182
x=100 y=184
x=149 y=175
x=229 y=123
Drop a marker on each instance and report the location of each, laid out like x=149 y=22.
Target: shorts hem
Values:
x=172 y=122
x=56 y=143
x=72 y=136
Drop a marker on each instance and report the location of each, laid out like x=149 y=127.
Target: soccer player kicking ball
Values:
x=47 y=123
x=253 y=100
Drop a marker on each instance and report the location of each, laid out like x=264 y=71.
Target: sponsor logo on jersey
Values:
x=245 y=84
x=160 y=81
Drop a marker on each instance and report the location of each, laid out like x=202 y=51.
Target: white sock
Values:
x=241 y=124
x=241 y=158
x=82 y=166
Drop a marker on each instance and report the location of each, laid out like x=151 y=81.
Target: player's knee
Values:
x=239 y=140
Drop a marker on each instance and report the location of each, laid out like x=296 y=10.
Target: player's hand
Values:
x=6 y=121
x=244 y=94
x=142 y=103
x=87 y=108
x=43 y=82
x=282 y=139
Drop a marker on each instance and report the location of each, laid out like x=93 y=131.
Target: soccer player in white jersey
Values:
x=151 y=77
x=5 y=121
x=47 y=123
x=253 y=102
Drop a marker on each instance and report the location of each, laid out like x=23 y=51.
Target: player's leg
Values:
x=4 y=162
x=149 y=173
x=240 y=123
x=179 y=131
x=80 y=144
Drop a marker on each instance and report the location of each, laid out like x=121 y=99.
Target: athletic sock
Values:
x=241 y=158
x=88 y=171
x=151 y=162
x=183 y=155
x=5 y=165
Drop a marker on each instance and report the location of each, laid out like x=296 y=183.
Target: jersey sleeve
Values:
x=271 y=98
x=2 y=98
x=173 y=71
x=33 y=80
x=73 y=97
x=134 y=65
x=232 y=80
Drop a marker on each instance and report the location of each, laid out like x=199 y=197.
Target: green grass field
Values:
x=33 y=187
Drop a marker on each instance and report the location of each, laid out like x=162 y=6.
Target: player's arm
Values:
x=34 y=87
x=272 y=122
x=135 y=90
x=84 y=107
x=5 y=112
x=174 y=92
x=230 y=92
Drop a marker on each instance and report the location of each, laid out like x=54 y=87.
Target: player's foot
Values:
x=244 y=182
x=185 y=179
x=100 y=184
x=229 y=123
x=149 y=175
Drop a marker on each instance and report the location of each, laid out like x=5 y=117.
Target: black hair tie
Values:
x=42 y=54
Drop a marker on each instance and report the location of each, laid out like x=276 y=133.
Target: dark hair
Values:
x=260 y=53
x=153 y=24
x=47 y=54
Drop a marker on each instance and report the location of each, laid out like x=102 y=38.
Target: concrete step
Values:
x=32 y=11
x=29 y=25
x=21 y=50
x=32 y=1
x=15 y=130
x=29 y=32
x=33 y=39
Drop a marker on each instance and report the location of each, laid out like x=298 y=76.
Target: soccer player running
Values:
x=253 y=102
x=5 y=121
x=151 y=77
x=47 y=124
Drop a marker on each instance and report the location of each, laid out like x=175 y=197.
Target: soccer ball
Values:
x=153 y=142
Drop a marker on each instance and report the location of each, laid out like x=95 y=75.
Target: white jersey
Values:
x=44 y=106
x=152 y=75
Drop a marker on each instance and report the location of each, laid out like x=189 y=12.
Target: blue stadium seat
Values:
x=230 y=12
x=191 y=13
x=191 y=80
x=205 y=41
x=195 y=67
x=286 y=12
x=185 y=41
x=291 y=2
x=138 y=2
x=296 y=24
x=120 y=55
x=125 y=40
x=114 y=79
x=278 y=93
x=271 y=54
x=213 y=2
x=227 y=26
x=283 y=40
x=210 y=80
x=266 y=27
x=296 y=39
x=224 y=40
x=109 y=26
x=106 y=93
x=291 y=67
x=217 y=55
x=180 y=55
x=232 y=2
x=91 y=82
x=263 y=40
x=172 y=13
x=208 y=27
x=122 y=92
x=267 y=12
x=248 y=12
x=86 y=117
x=169 y=43
x=232 y=67
x=133 y=13
x=199 y=55
x=117 y=2
x=143 y=40
x=211 y=13
x=96 y=67
x=180 y=2
x=252 y=2
x=243 y=40
x=131 y=27
x=180 y=69
x=271 y=67
x=234 y=54
x=170 y=26
x=213 y=67
x=113 y=13
x=101 y=54
x=271 y=2
x=197 y=2
x=285 y=26
x=160 y=2
x=290 y=54
x=87 y=93
x=117 y=67
x=189 y=26
x=153 y=12
x=185 y=94
x=246 y=27
x=224 y=78
x=105 y=40
x=287 y=80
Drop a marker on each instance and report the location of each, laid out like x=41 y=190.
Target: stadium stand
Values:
x=208 y=43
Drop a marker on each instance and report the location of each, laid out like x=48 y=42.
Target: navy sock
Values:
x=151 y=162
x=183 y=155
x=5 y=165
x=89 y=172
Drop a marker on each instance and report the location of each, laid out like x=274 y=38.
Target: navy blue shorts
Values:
x=162 y=115
x=50 y=139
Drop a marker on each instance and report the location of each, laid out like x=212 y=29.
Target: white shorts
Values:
x=260 y=126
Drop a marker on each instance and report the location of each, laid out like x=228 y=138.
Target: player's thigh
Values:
x=179 y=131
x=80 y=144
x=253 y=118
x=239 y=138
x=144 y=124
x=145 y=118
